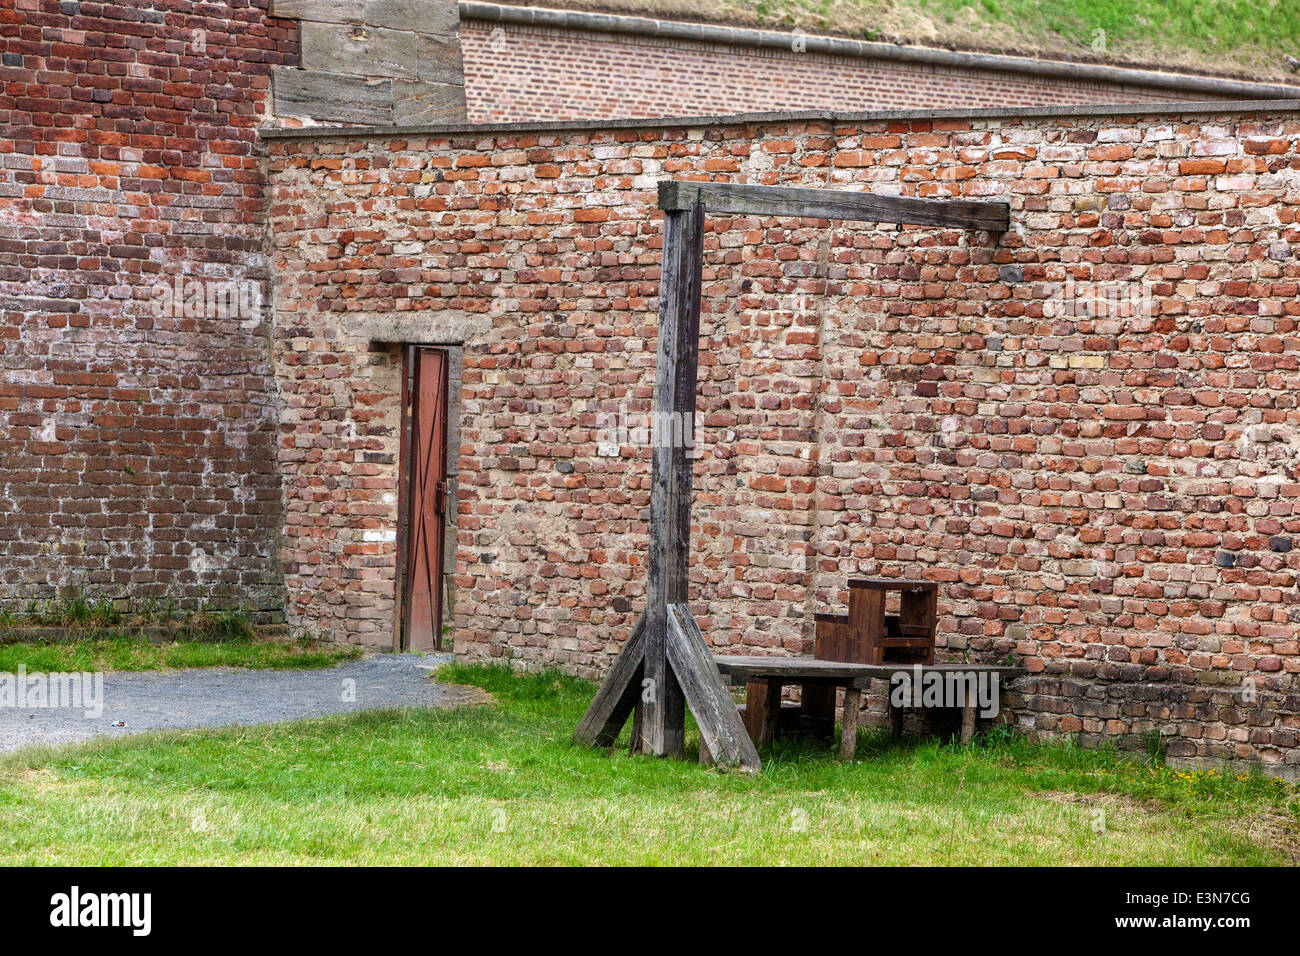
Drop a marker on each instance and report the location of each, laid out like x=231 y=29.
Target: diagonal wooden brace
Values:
x=618 y=694
x=721 y=730
x=722 y=734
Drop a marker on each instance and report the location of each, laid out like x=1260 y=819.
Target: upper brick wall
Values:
x=547 y=71
x=136 y=448
x=1084 y=429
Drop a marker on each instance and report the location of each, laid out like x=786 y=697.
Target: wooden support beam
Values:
x=967 y=723
x=662 y=709
x=617 y=696
x=685 y=387
x=849 y=722
x=721 y=730
x=739 y=199
x=771 y=714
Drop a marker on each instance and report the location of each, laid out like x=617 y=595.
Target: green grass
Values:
x=504 y=784
x=1247 y=37
x=123 y=652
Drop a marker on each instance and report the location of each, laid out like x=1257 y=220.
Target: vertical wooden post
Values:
x=662 y=706
x=771 y=714
x=967 y=723
x=849 y=722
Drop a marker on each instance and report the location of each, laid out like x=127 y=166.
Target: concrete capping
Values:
x=1180 y=108
x=865 y=49
x=417 y=327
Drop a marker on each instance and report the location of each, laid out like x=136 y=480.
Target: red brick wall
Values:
x=1096 y=494
x=518 y=73
x=136 y=451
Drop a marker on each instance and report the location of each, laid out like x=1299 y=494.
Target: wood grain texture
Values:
x=741 y=668
x=617 y=696
x=663 y=716
x=715 y=712
x=849 y=723
x=740 y=199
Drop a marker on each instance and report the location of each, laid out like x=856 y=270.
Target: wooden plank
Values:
x=907 y=642
x=919 y=617
x=742 y=667
x=787 y=668
x=830 y=637
x=709 y=699
x=685 y=386
x=741 y=199
x=893 y=584
x=849 y=723
x=618 y=694
x=867 y=623
x=818 y=697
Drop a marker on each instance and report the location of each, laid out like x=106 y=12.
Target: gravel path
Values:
x=218 y=697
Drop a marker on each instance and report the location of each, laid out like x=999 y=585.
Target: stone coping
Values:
x=1180 y=108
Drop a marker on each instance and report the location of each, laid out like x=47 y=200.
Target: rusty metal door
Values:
x=424 y=461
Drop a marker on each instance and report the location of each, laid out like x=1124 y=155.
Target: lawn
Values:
x=503 y=784
x=1250 y=38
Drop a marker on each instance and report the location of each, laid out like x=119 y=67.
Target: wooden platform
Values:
x=772 y=673
x=739 y=668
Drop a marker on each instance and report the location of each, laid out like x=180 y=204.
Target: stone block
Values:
x=332 y=97
x=359 y=50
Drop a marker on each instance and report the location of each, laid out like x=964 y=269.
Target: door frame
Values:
x=401 y=635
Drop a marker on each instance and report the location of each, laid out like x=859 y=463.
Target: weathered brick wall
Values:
x=518 y=73
x=1104 y=489
x=136 y=451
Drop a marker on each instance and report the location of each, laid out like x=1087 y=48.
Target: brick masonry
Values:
x=1100 y=475
x=137 y=450
x=525 y=72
